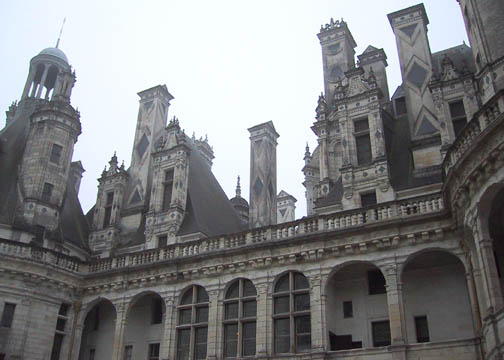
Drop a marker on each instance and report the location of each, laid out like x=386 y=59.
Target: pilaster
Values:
x=169 y=328
x=318 y=331
x=263 y=322
x=213 y=325
x=120 y=325
x=395 y=305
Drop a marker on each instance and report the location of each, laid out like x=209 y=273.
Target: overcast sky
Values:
x=230 y=64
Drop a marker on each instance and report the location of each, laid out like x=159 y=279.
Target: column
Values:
x=120 y=325
x=318 y=333
x=395 y=306
x=42 y=82
x=28 y=84
x=76 y=333
x=213 y=319
x=491 y=282
x=262 y=320
x=169 y=324
x=473 y=297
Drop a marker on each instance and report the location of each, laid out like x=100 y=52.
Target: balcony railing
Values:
x=492 y=111
x=341 y=221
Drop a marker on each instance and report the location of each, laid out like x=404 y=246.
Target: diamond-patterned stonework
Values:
x=258 y=186
x=409 y=30
x=417 y=75
x=142 y=146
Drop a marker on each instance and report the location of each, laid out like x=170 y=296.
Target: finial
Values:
x=238 y=187
x=61 y=31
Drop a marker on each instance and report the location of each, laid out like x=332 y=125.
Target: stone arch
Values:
x=431 y=280
x=183 y=290
x=356 y=306
x=144 y=327
x=485 y=204
x=412 y=256
x=99 y=318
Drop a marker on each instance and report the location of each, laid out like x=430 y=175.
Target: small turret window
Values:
x=167 y=189
x=47 y=192
x=56 y=154
x=108 y=209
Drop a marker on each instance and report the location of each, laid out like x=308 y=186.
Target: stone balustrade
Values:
x=475 y=130
x=344 y=220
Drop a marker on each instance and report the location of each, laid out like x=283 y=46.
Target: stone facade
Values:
x=400 y=256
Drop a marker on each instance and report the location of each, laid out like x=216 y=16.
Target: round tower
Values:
x=53 y=126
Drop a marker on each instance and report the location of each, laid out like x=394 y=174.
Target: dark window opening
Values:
x=128 y=352
x=381 y=333
x=8 y=315
x=157 y=311
x=63 y=311
x=347 y=309
x=376 y=282
x=56 y=154
x=167 y=189
x=400 y=106
x=343 y=342
x=422 y=329
x=361 y=125
x=92 y=354
x=154 y=351
x=458 y=116
x=56 y=348
x=368 y=199
x=39 y=235
x=47 y=191
x=162 y=240
x=363 y=144
x=108 y=209
x=2 y=356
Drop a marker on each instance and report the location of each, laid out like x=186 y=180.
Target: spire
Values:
x=61 y=31
x=238 y=187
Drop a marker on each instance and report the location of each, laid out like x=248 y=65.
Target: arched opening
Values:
x=98 y=334
x=496 y=231
x=143 y=334
x=39 y=72
x=357 y=308
x=50 y=81
x=436 y=300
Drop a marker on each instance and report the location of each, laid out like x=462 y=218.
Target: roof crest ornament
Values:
x=61 y=31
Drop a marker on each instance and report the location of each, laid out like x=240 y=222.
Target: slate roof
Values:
x=13 y=137
x=460 y=55
x=208 y=208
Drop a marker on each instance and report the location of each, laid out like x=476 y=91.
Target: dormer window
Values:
x=362 y=141
x=458 y=116
x=108 y=209
x=167 y=189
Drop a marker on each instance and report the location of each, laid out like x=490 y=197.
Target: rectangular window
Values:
x=183 y=344
x=368 y=199
x=162 y=240
x=200 y=343
x=8 y=315
x=108 y=209
x=282 y=336
x=92 y=354
x=39 y=235
x=128 y=352
x=167 y=189
x=400 y=105
x=303 y=333
x=230 y=340
x=157 y=311
x=249 y=338
x=458 y=116
x=422 y=329
x=347 y=309
x=47 y=191
x=56 y=154
x=381 y=333
x=376 y=282
x=362 y=141
x=154 y=351
x=2 y=356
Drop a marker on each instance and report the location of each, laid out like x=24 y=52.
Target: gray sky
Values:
x=230 y=64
